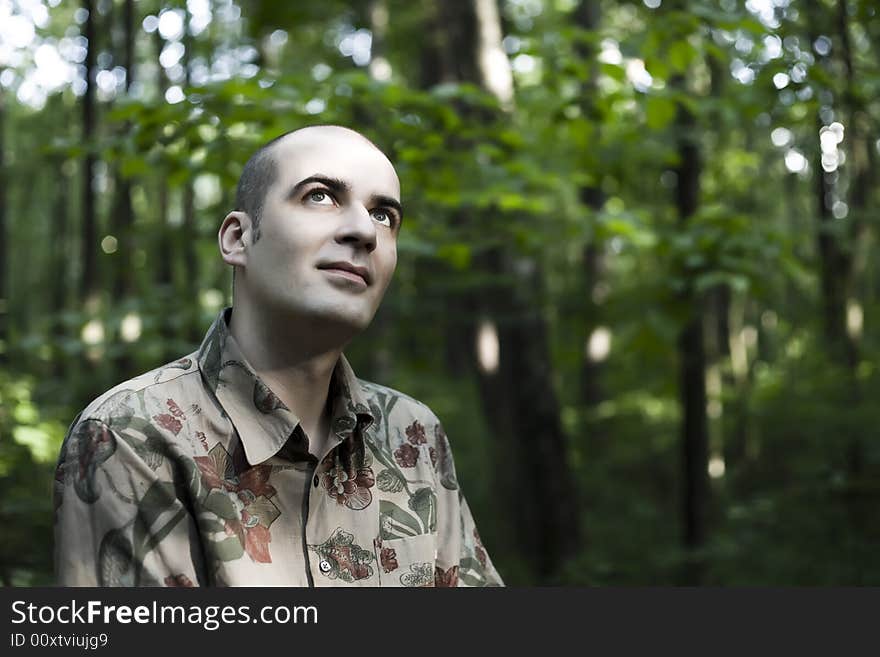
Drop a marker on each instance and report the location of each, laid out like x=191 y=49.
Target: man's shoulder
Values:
x=408 y=431
x=384 y=398
x=144 y=394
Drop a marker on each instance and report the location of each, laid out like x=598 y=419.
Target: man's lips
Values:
x=348 y=270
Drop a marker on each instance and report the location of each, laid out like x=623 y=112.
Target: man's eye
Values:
x=320 y=197
x=383 y=217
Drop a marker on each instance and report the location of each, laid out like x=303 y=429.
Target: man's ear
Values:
x=236 y=233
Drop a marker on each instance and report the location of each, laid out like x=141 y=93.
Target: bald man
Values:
x=260 y=458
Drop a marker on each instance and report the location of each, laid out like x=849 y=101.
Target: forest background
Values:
x=637 y=278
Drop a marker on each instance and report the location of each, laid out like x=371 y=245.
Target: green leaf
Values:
x=210 y=525
x=681 y=54
x=470 y=580
x=229 y=549
x=218 y=502
x=115 y=560
x=424 y=503
x=158 y=498
x=395 y=522
x=659 y=112
x=134 y=166
x=614 y=71
x=469 y=563
x=457 y=255
x=390 y=481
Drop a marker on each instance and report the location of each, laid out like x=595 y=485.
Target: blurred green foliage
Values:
x=787 y=507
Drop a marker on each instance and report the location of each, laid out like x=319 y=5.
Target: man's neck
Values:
x=297 y=368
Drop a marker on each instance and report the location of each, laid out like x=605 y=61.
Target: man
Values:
x=261 y=459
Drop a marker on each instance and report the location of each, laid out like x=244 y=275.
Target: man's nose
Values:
x=358 y=227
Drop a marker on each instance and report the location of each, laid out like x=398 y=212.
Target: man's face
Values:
x=328 y=232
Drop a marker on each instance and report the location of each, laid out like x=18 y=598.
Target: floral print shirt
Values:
x=197 y=474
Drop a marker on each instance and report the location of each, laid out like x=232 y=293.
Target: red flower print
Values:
x=348 y=561
x=169 y=422
x=256 y=481
x=254 y=510
x=415 y=433
x=202 y=439
x=257 y=543
x=349 y=487
x=89 y=446
x=388 y=557
x=175 y=409
x=447 y=578
x=92 y=450
x=179 y=580
x=406 y=455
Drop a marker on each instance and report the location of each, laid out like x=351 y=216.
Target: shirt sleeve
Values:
x=462 y=559
x=118 y=520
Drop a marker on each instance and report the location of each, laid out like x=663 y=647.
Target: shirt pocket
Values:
x=406 y=561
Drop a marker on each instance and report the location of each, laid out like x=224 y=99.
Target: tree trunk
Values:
x=122 y=218
x=834 y=261
x=89 y=229
x=692 y=358
x=166 y=244
x=587 y=16
x=861 y=179
x=190 y=236
x=60 y=270
x=123 y=211
x=519 y=398
x=4 y=241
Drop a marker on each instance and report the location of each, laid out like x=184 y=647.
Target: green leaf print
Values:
x=158 y=499
x=424 y=503
x=152 y=449
x=115 y=567
x=470 y=580
x=394 y=522
x=229 y=549
x=210 y=525
x=218 y=502
x=390 y=481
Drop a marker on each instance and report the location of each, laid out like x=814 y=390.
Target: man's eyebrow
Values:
x=340 y=186
x=333 y=184
x=387 y=201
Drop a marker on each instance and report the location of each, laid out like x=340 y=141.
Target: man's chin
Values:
x=337 y=317
x=345 y=319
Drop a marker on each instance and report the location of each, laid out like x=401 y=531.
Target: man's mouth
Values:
x=349 y=271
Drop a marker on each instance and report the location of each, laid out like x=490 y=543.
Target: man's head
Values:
x=314 y=233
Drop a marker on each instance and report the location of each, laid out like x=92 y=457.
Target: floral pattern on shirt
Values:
x=415 y=433
x=348 y=482
x=181 y=477
x=90 y=445
x=243 y=502
x=341 y=557
x=388 y=557
x=179 y=580
x=406 y=456
x=265 y=400
x=446 y=578
x=173 y=419
x=419 y=574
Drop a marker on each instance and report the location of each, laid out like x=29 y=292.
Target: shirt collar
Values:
x=262 y=420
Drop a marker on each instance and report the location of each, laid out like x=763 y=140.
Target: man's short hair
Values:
x=257 y=177
x=260 y=173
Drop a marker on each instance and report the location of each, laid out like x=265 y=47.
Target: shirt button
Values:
x=316 y=481
x=325 y=566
